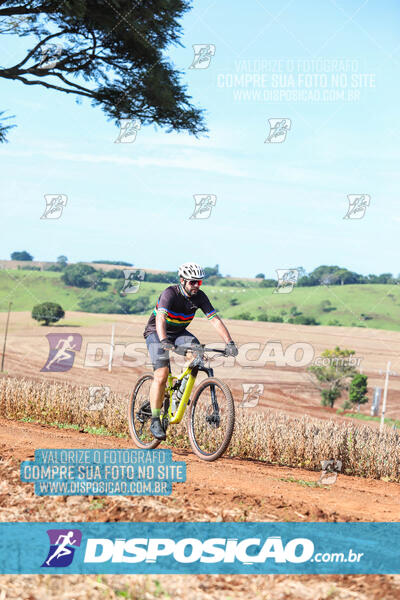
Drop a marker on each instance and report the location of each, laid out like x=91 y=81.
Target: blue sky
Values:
x=279 y=205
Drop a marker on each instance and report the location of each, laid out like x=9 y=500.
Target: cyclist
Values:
x=166 y=330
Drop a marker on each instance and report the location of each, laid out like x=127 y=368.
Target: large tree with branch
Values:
x=110 y=51
x=332 y=372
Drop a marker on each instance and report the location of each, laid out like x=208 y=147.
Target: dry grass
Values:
x=275 y=437
x=270 y=436
x=196 y=587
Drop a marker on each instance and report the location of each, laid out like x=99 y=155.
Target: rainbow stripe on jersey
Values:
x=211 y=314
x=179 y=319
x=173 y=318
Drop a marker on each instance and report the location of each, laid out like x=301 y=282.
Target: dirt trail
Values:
x=228 y=489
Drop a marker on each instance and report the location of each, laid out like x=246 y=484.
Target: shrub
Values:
x=358 y=389
x=30 y=268
x=115 y=305
x=77 y=275
x=366 y=317
x=303 y=320
x=268 y=283
x=49 y=312
x=231 y=283
x=244 y=316
x=169 y=277
x=326 y=306
x=119 y=306
x=262 y=316
x=115 y=274
x=275 y=319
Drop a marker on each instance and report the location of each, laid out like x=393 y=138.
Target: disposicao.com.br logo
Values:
x=209 y=553
x=190 y=550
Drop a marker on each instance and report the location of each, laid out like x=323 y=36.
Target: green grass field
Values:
x=369 y=305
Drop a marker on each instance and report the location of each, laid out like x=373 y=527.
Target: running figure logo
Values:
x=128 y=131
x=133 y=277
x=54 y=206
x=278 y=129
x=252 y=392
x=203 y=54
x=203 y=205
x=62 y=550
x=50 y=55
x=330 y=470
x=62 y=351
x=287 y=279
x=98 y=396
x=357 y=206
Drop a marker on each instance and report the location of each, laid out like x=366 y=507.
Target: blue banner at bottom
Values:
x=192 y=548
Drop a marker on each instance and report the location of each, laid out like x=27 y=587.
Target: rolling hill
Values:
x=369 y=305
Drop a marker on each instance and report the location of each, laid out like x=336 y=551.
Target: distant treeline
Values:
x=121 y=263
x=334 y=275
x=322 y=275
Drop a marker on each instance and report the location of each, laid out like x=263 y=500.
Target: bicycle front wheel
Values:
x=211 y=419
x=139 y=414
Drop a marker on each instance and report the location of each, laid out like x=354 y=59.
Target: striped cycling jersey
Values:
x=178 y=309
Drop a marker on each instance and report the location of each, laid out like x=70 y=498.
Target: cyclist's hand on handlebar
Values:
x=231 y=349
x=166 y=344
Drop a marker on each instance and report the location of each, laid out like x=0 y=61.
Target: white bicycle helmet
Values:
x=191 y=271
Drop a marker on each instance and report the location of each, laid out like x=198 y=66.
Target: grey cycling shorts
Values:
x=159 y=357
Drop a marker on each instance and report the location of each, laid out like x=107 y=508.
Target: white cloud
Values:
x=187 y=159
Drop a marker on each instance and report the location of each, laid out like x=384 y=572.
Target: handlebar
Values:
x=197 y=349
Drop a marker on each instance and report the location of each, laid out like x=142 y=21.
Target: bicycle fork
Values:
x=214 y=420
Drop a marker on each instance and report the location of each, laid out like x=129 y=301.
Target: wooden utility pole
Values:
x=5 y=337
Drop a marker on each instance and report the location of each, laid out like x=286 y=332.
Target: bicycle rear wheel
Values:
x=211 y=419
x=139 y=414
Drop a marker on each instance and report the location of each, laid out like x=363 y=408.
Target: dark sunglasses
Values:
x=194 y=281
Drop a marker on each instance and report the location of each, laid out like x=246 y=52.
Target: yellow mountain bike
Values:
x=211 y=414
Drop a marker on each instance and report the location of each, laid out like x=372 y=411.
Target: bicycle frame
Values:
x=177 y=417
x=191 y=370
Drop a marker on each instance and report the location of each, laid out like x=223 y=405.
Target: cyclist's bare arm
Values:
x=222 y=330
x=161 y=326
